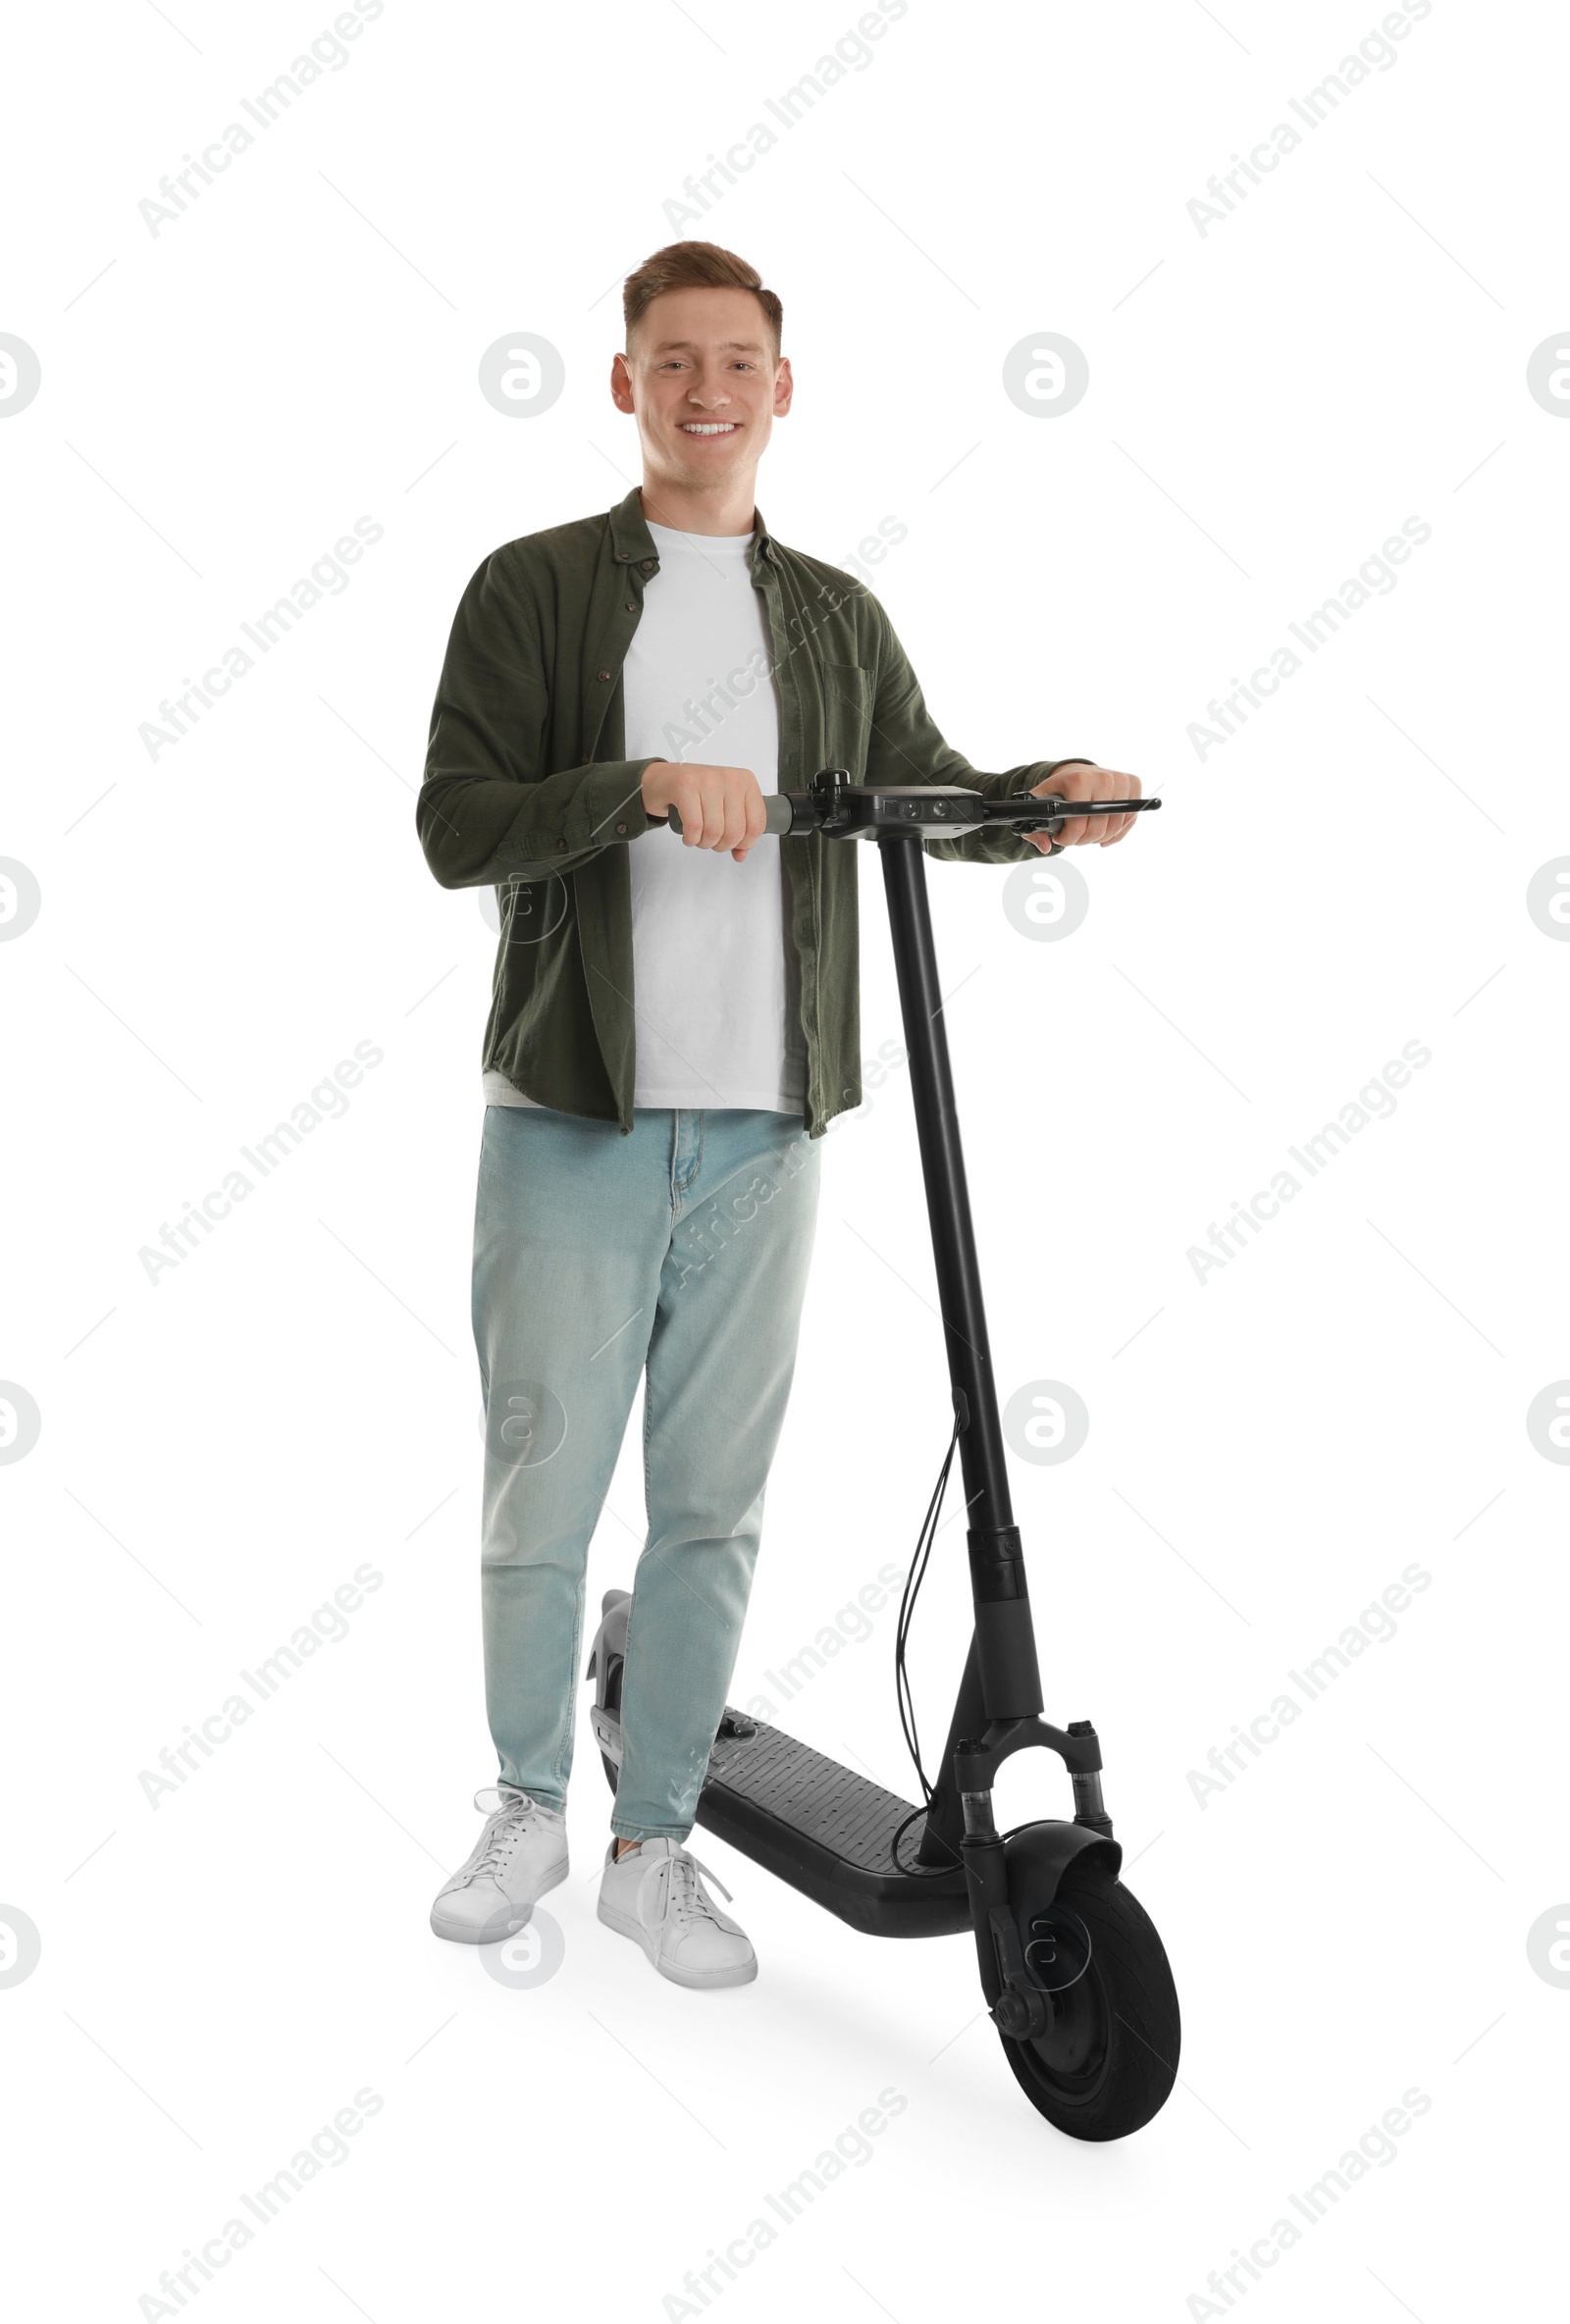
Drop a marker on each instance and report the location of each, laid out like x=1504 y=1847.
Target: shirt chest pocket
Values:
x=847 y=716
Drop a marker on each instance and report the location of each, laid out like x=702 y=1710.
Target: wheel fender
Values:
x=1035 y=1860
x=1038 y=1857
x=610 y=1639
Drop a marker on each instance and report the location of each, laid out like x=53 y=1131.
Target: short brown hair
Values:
x=696 y=266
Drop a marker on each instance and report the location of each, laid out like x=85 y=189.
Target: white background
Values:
x=1269 y=400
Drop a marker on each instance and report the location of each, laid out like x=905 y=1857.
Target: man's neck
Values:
x=724 y=510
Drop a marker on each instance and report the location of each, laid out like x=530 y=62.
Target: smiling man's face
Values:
x=703 y=379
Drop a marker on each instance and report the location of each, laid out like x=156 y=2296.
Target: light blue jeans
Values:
x=680 y=1251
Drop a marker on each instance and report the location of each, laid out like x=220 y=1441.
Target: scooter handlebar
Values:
x=843 y=809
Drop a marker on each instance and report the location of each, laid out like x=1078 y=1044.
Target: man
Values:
x=674 y=1026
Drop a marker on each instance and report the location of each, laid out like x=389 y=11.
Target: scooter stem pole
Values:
x=1011 y=1684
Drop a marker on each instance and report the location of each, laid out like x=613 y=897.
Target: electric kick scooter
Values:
x=1074 y=1975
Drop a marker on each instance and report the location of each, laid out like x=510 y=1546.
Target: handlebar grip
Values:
x=777 y=813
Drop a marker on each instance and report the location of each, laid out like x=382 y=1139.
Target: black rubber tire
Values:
x=1109 y=2060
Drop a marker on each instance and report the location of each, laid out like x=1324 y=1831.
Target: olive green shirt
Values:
x=526 y=790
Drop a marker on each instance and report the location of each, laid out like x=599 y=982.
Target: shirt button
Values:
x=621 y=827
x=632 y=605
x=647 y=566
x=561 y=847
x=603 y=676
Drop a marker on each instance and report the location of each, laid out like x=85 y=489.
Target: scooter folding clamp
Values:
x=977 y=1764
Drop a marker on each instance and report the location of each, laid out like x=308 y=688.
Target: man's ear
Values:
x=784 y=388
x=620 y=384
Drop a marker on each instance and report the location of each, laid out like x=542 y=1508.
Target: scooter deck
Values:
x=828 y=1832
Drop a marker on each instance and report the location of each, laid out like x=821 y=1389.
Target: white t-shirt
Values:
x=709 y=937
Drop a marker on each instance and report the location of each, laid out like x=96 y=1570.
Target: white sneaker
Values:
x=654 y=1893
x=520 y=1854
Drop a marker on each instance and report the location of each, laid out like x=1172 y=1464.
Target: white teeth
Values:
x=707 y=427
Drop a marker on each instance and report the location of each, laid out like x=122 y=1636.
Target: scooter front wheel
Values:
x=1107 y=2062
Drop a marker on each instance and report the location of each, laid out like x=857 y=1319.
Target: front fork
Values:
x=1018 y=2005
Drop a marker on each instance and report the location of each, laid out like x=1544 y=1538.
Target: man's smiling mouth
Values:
x=709 y=427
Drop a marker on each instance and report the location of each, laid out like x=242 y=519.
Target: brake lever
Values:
x=1060 y=813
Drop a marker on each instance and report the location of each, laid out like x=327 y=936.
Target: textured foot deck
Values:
x=825 y=1806
x=822 y=1829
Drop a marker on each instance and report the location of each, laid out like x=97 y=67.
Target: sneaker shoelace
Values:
x=516 y=1808
x=685 y=1897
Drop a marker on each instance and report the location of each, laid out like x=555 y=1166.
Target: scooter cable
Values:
x=912 y=1584
x=902 y=1682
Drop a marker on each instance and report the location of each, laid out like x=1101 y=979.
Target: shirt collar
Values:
x=633 y=544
